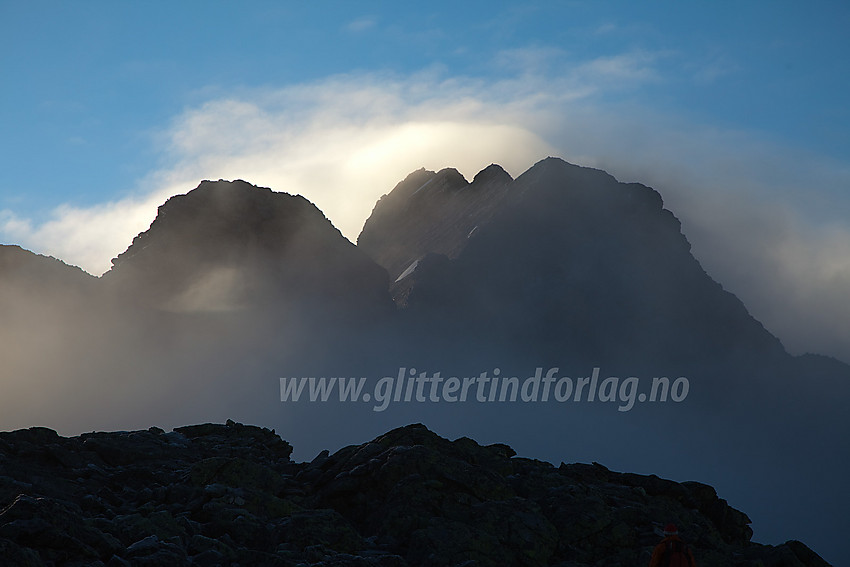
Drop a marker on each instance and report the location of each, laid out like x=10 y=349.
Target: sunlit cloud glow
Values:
x=344 y=141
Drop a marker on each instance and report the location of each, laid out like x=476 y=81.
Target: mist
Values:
x=207 y=347
x=344 y=141
x=234 y=287
x=157 y=304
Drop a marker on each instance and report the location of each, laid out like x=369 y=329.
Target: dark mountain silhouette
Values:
x=563 y=260
x=429 y=213
x=230 y=494
x=234 y=287
x=40 y=289
x=231 y=285
x=45 y=320
x=22 y=269
x=567 y=267
x=231 y=246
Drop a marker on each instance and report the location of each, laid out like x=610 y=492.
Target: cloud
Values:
x=633 y=66
x=86 y=237
x=362 y=24
x=529 y=60
x=342 y=143
x=606 y=28
x=345 y=141
x=621 y=71
x=764 y=219
x=714 y=70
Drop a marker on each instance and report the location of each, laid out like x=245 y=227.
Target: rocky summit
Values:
x=429 y=213
x=563 y=259
x=231 y=246
x=564 y=267
x=212 y=494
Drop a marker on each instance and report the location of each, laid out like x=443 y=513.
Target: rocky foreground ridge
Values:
x=211 y=494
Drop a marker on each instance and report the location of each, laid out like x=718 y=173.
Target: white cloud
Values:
x=529 y=60
x=342 y=143
x=361 y=24
x=633 y=66
x=747 y=206
x=86 y=237
x=768 y=222
x=606 y=28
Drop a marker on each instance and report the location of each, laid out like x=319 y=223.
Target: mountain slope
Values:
x=429 y=212
x=228 y=246
x=573 y=270
x=231 y=285
x=47 y=318
x=29 y=280
x=564 y=258
x=235 y=287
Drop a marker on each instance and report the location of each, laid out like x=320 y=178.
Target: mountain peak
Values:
x=600 y=249
x=430 y=213
x=230 y=244
x=213 y=210
x=493 y=173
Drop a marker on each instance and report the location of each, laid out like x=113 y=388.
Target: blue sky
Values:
x=735 y=111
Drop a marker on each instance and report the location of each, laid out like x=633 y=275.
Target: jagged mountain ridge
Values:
x=231 y=282
x=223 y=294
x=229 y=246
x=568 y=255
x=224 y=494
x=427 y=213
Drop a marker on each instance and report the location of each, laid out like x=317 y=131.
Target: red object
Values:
x=671 y=529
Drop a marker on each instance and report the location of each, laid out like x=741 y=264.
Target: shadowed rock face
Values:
x=226 y=494
x=234 y=286
x=229 y=275
x=228 y=246
x=429 y=213
x=23 y=268
x=573 y=269
x=31 y=281
x=46 y=315
x=233 y=272
x=562 y=259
